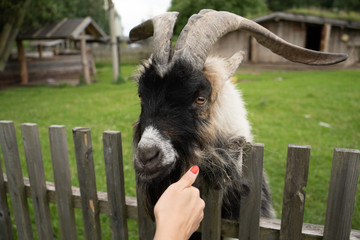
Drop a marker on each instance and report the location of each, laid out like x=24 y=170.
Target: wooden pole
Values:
x=22 y=63
x=40 y=50
x=254 y=46
x=84 y=60
x=325 y=37
x=113 y=42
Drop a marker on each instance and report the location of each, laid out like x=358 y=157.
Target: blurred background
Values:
x=37 y=29
x=70 y=62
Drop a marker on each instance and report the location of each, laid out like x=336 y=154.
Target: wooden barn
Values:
x=61 y=54
x=317 y=33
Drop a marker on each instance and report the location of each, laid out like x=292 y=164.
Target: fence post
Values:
x=35 y=168
x=62 y=179
x=5 y=219
x=87 y=182
x=15 y=180
x=296 y=176
x=115 y=184
x=211 y=223
x=249 y=217
x=342 y=193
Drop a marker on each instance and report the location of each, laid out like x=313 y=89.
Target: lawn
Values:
x=317 y=108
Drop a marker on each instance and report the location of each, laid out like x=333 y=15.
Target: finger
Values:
x=189 y=177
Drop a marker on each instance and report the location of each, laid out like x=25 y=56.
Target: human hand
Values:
x=180 y=209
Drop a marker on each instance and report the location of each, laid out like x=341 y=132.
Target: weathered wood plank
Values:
x=342 y=193
x=250 y=204
x=296 y=176
x=87 y=182
x=35 y=168
x=211 y=223
x=62 y=180
x=5 y=219
x=16 y=183
x=115 y=183
x=145 y=224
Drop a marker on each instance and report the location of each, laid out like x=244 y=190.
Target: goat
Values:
x=191 y=113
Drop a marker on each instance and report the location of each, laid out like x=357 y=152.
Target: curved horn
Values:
x=161 y=27
x=210 y=26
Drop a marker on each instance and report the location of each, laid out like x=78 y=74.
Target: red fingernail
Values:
x=194 y=169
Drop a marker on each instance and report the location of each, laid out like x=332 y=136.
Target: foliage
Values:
x=186 y=8
x=281 y=5
x=41 y=12
x=350 y=15
x=11 y=18
x=8 y=11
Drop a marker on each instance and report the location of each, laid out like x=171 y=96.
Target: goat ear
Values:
x=232 y=63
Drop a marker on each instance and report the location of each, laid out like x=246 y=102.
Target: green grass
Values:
x=347 y=15
x=277 y=112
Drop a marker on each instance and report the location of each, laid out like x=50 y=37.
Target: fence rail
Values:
x=340 y=206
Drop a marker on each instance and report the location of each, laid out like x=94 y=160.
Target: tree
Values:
x=12 y=17
x=186 y=8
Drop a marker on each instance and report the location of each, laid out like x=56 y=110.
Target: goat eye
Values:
x=200 y=100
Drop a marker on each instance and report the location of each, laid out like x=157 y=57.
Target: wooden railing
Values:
x=340 y=205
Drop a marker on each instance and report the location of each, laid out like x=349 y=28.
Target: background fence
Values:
x=340 y=205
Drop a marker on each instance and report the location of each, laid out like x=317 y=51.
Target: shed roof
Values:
x=297 y=17
x=68 y=28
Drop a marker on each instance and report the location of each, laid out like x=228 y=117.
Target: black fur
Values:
x=168 y=104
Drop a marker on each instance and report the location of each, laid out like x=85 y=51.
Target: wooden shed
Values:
x=316 y=33
x=75 y=31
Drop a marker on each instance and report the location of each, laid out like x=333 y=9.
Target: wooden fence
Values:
x=340 y=206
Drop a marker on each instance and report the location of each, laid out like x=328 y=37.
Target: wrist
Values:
x=166 y=232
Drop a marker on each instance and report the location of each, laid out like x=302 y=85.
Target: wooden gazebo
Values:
x=77 y=29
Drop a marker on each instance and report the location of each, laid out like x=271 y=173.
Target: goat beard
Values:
x=220 y=167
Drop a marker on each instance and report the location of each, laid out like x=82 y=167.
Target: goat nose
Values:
x=148 y=154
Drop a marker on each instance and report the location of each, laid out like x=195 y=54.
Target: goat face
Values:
x=173 y=110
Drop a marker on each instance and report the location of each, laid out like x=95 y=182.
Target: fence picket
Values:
x=62 y=179
x=15 y=180
x=211 y=223
x=35 y=168
x=342 y=193
x=296 y=176
x=250 y=205
x=5 y=220
x=115 y=183
x=87 y=182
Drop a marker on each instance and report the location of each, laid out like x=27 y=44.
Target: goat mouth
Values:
x=152 y=171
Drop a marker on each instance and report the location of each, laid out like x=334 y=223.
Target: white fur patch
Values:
x=229 y=112
x=152 y=137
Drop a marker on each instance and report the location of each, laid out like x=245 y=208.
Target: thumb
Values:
x=189 y=177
